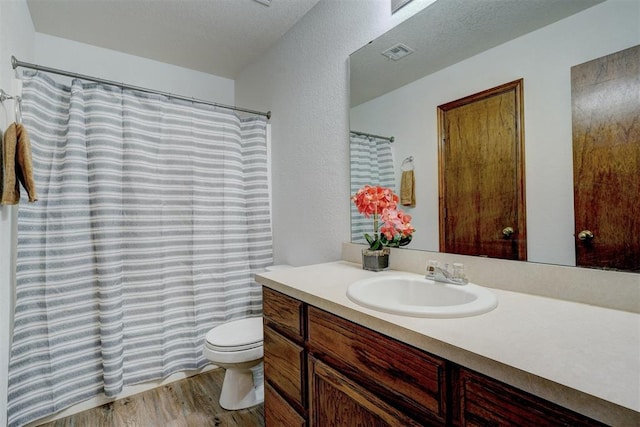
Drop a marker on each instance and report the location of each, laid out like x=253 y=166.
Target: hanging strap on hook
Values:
x=16 y=104
x=408 y=162
x=17 y=108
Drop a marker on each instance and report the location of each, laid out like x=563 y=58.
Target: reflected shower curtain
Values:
x=153 y=218
x=371 y=164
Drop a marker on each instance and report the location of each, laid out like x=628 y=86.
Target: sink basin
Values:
x=411 y=295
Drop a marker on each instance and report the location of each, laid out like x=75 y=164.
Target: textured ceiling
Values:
x=218 y=37
x=447 y=32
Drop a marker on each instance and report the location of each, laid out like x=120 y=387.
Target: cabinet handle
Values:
x=585 y=235
x=507 y=232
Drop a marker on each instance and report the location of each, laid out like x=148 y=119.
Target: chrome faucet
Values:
x=439 y=273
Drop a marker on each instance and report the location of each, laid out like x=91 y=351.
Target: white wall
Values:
x=16 y=38
x=108 y=64
x=303 y=80
x=543 y=58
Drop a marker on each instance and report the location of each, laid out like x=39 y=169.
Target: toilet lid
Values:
x=236 y=335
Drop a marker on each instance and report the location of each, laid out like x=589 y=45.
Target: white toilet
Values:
x=237 y=347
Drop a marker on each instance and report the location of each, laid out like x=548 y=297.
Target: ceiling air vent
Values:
x=398 y=51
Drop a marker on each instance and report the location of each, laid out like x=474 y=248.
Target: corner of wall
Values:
x=16 y=38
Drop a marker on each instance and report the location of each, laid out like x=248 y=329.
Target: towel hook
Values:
x=4 y=95
x=16 y=104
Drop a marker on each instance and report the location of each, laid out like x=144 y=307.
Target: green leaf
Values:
x=405 y=240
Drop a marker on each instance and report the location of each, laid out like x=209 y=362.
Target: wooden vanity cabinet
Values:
x=328 y=371
x=322 y=370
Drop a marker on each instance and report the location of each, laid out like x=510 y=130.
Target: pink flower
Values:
x=396 y=222
x=382 y=202
x=373 y=200
x=388 y=231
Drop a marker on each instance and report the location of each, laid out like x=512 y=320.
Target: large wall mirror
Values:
x=455 y=48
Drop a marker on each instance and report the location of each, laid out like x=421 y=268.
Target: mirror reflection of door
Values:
x=481 y=174
x=605 y=95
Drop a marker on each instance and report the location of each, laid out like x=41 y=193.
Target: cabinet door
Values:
x=487 y=402
x=338 y=401
x=408 y=378
x=284 y=367
x=277 y=412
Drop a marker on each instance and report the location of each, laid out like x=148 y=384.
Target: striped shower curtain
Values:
x=371 y=164
x=153 y=217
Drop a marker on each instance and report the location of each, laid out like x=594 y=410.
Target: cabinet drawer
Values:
x=277 y=412
x=283 y=313
x=284 y=367
x=405 y=376
x=487 y=402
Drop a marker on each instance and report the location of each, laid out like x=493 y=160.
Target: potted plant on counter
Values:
x=391 y=226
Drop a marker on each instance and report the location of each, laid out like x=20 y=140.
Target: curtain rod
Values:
x=15 y=64
x=388 y=138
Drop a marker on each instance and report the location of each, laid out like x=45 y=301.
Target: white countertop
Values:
x=583 y=357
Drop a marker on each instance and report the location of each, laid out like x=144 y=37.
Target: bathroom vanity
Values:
x=330 y=362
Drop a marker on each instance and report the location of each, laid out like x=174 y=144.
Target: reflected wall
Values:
x=543 y=59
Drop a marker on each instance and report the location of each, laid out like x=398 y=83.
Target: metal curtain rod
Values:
x=15 y=64
x=388 y=138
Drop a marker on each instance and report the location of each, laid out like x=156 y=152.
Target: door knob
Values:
x=507 y=232
x=585 y=235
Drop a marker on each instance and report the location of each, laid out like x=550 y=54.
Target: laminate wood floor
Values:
x=191 y=402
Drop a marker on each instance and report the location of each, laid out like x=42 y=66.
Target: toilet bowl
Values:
x=237 y=347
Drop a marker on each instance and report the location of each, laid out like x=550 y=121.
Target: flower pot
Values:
x=375 y=260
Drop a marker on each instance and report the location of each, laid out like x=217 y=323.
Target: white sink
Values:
x=412 y=295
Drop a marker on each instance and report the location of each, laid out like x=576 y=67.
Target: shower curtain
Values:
x=371 y=164
x=153 y=217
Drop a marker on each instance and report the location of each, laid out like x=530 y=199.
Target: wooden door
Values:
x=605 y=96
x=481 y=174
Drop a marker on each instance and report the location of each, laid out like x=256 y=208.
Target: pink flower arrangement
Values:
x=382 y=203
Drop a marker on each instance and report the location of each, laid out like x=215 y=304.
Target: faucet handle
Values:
x=445 y=274
x=458 y=271
x=432 y=266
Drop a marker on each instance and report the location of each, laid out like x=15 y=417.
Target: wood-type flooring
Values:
x=191 y=402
